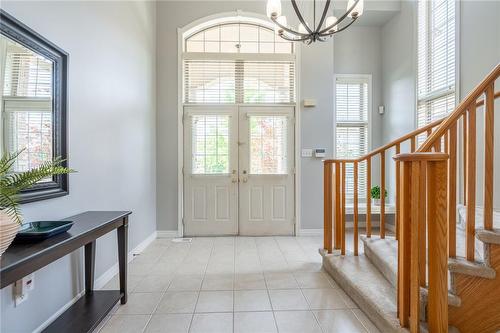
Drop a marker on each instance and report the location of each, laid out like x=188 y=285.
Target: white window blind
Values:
x=351 y=115
x=28 y=126
x=238 y=81
x=28 y=75
x=436 y=60
x=210 y=140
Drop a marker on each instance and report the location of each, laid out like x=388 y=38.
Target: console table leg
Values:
x=122 y=232
x=89 y=266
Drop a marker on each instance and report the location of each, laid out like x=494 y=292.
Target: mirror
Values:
x=32 y=103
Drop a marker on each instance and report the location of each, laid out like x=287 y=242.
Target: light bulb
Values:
x=329 y=21
x=281 y=20
x=273 y=8
x=302 y=29
x=358 y=10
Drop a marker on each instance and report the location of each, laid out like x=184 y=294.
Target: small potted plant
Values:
x=375 y=194
x=11 y=184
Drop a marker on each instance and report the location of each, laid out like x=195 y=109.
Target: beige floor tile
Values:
x=125 y=324
x=339 y=321
x=218 y=282
x=138 y=268
x=212 y=323
x=169 y=323
x=280 y=281
x=186 y=282
x=296 y=321
x=324 y=299
x=178 y=302
x=348 y=301
x=215 y=301
x=251 y=300
x=312 y=280
x=140 y=303
x=288 y=300
x=250 y=281
x=153 y=283
x=114 y=283
x=253 y=322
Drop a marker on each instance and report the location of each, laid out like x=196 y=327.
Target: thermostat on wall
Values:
x=319 y=152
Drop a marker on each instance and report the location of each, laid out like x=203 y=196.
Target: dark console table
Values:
x=85 y=314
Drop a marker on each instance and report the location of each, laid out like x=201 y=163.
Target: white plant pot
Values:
x=8 y=230
x=376 y=202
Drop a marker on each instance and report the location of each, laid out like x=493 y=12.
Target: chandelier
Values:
x=326 y=27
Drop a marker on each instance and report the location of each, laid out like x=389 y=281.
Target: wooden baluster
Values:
x=471 y=182
x=412 y=144
x=403 y=287
x=464 y=139
x=422 y=225
x=417 y=219
x=437 y=308
x=355 y=208
x=382 y=194
x=342 y=218
x=452 y=191
x=489 y=124
x=397 y=220
x=327 y=197
x=368 y=197
x=338 y=221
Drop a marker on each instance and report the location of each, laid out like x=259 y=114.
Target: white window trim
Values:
x=181 y=34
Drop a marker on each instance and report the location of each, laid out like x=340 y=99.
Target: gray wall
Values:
x=112 y=106
x=398 y=81
x=315 y=82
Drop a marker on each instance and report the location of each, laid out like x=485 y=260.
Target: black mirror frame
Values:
x=20 y=33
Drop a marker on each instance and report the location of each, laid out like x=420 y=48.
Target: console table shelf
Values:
x=86 y=313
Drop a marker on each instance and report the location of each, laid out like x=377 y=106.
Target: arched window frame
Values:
x=252 y=60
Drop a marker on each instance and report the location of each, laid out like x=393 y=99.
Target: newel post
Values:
x=423 y=201
x=327 y=197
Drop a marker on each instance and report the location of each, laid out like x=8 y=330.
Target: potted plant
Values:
x=11 y=184
x=375 y=194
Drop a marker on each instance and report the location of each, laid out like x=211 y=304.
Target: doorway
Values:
x=239 y=170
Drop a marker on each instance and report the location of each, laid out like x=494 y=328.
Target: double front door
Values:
x=238 y=170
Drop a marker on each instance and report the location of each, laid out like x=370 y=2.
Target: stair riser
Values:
x=381 y=265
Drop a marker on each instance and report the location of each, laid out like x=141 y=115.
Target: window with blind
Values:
x=351 y=119
x=436 y=60
x=26 y=106
x=238 y=63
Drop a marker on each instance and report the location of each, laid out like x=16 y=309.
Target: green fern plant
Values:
x=11 y=184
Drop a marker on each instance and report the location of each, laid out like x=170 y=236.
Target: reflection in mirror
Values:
x=26 y=105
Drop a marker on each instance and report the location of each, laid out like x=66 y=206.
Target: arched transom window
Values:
x=230 y=62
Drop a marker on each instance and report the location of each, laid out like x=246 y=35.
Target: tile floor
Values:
x=234 y=284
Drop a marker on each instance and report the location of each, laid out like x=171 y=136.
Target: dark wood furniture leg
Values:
x=89 y=266
x=122 y=232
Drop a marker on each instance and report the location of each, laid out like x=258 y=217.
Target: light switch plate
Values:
x=307 y=152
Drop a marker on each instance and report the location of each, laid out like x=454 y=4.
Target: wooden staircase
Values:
x=435 y=275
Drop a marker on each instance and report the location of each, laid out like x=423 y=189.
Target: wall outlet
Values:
x=22 y=287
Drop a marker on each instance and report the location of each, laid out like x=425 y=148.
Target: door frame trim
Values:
x=180 y=121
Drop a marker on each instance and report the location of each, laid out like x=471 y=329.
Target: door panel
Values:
x=266 y=161
x=210 y=171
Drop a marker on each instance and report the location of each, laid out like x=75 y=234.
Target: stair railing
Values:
x=428 y=202
x=335 y=207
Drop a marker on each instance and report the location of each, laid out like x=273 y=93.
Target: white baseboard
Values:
x=311 y=232
x=99 y=282
x=167 y=233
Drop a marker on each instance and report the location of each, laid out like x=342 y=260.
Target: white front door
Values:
x=238 y=170
x=266 y=191
x=210 y=171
